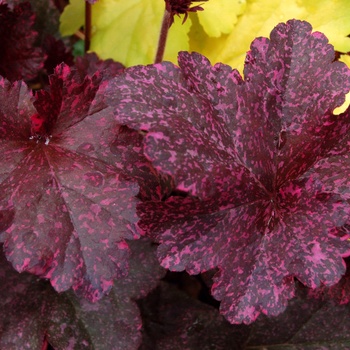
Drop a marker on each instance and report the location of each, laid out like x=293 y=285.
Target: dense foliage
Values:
x=172 y=206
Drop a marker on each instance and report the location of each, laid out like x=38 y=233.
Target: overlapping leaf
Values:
x=32 y=310
x=19 y=59
x=306 y=324
x=65 y=212
x=127 y=155
x=330 y=18
x=174 y=320
x=56 y=53
x=253 y=151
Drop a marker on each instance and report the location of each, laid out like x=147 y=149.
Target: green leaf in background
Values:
x=128 y=31
x=331 y=17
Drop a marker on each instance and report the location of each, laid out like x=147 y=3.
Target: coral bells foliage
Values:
x=264 y=162
x=19 y=59
x=64 y=211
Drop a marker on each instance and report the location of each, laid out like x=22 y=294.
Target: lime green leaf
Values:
x=329 y=17
x=345 y=105
x=131 y=37
x=127 y=31
x=220 y=16
x=72 y=17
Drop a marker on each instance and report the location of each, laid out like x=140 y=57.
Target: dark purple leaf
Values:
x=252 y=151
x=89 y=64
x=19 y=59
x=71 y=210
x=173 y=320
x=144 y=271
x=340 y=292
x=127 y=149
x=31 y=309
x=47 y=19
x=57 y=53
x=305 y=325
x=115 y=322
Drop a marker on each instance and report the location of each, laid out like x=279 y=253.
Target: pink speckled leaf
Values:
x=19 y=59
x=89 y=64
x=32 y=310
x=340 y=292
x=159 y=99
x=125 y=149
x=127 y=155
x=71 y=212
x=251 y=150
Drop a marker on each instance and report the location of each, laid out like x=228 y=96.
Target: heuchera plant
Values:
x=111 y=176
x=261 y=155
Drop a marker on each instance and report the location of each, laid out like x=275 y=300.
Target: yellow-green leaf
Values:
x=345 y=105
x=220 y=16
x=132 y=36
x=127 y=31
x=72 y=17
x=331 y=17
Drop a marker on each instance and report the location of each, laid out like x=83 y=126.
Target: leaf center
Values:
x=38 y=129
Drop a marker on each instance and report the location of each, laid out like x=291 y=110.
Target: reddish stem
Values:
x=45 y=344
x=87 y=26
x=166 y=23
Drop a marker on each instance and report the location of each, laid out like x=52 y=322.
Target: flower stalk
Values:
x=87 y=26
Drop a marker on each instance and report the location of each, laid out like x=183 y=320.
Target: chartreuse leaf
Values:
x=220 y=16
x=127 y=31
x=345 y=105
x=330 y=17
x=264 y=157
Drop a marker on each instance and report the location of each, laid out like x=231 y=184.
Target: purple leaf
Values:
x=173 y=320
x=253 y=151
x=127 y=155
x=71 y=210
x=340 y=292
x=19 y=59
x=31 y=309
x=47 y=18
x=306 y=324
x=89 y=64
x=56 y=53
